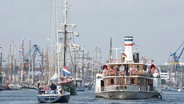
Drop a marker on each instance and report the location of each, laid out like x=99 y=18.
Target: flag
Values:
x=66 y=72
x=20 y=49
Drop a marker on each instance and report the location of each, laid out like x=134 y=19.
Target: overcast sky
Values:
x=156 y=25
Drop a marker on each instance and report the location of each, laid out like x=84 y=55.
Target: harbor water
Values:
x=28 y=96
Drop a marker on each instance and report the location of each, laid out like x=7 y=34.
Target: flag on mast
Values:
x=20 y=49
x=66 y=72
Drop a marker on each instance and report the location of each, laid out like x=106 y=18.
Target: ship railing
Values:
x=123 y=73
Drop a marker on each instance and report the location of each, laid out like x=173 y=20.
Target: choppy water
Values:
x=28 y=96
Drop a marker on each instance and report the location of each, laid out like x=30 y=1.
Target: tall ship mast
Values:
x=65 y=32
x=65 y=63
x=1 y=74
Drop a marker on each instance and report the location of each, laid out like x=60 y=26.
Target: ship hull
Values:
x=69 y=86
x=53 y=98
x=127 y=95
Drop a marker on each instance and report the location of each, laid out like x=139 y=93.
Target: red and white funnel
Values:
x=128 y=48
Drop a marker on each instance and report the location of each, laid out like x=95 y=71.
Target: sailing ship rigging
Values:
x=64 y=84
x=64 y=57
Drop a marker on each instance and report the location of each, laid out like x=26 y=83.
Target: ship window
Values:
x=132 y=81
x=102 y=83
x=150 y=82
x=112 y=81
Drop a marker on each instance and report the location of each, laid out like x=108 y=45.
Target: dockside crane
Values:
x=176 y=57
x=30 y=57
x=33 y=51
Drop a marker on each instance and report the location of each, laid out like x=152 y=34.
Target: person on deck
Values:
x=112 y=71
x=38 y=86
x=53 y=87
x=105 y=70
x=116 y=68
x=59 y=88
x=121 y=70
x=152 y=68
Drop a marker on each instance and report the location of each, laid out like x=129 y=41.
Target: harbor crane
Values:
x=176 y=57
x=30 y=57
x=33 y=52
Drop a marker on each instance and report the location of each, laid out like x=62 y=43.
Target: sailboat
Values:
x=13 y=85
x=67 y=81
x=57 y=95
x=180 y=83
x=80 y=83
x=63 y=76
x=80 y=76
x=65 y=85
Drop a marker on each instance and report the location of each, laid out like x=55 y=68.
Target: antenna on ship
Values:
x=110 y=53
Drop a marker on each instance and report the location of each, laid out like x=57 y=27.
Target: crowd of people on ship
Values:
x=120 y=70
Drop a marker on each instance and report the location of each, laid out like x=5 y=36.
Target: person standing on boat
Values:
x=59 y=89
x=152 y=68
x=111 y=71
x=38 y=86
x=53 y=87
x=116 y=68
x=104 y=70
x=121 y=70
x=131 y=69
x=126 y=70
x=146 y=68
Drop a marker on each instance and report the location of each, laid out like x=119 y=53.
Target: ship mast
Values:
x=110 y=51
x=65 y=31
x=22 y=61
x=1 y=70
x=1 y=60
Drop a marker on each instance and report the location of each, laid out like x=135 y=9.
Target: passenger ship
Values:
x=128 y=79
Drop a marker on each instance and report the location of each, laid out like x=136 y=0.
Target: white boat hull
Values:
x=53 y=98
x=15 y=87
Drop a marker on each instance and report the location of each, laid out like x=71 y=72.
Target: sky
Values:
x=157 y=26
